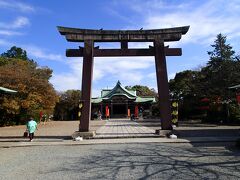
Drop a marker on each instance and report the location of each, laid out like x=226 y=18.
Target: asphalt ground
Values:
x=121 y=161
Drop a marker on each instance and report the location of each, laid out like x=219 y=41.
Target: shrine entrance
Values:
x=88 y=52
x=119 y=110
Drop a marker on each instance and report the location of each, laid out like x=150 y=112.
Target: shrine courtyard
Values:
x=201 y=152
x=119 y=131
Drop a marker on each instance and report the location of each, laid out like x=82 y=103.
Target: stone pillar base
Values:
x=84 y=135
x=165 y=133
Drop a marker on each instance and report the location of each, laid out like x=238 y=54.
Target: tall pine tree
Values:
x=221 y=70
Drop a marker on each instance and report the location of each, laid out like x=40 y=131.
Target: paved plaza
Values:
x=123 y=128
x=117 y=131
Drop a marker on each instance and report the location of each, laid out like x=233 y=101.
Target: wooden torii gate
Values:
x=88 y=52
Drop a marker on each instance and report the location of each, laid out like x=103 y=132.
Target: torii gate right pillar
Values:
x=162 y=83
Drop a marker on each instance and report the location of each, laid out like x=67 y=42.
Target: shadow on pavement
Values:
x=154 y=161
x=43 y=138
x=220 y=132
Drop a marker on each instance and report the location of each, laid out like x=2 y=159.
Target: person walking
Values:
x=31 y=128
x=99 y=115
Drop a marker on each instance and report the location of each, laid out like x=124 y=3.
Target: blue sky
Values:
x=31 y=24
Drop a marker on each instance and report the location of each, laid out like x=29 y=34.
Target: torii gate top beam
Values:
x=80 y=35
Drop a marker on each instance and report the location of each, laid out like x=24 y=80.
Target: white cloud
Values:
x=41 y=53
x=119 y=15
x=7 y=29
x=155 y=5
x=117 y=67
x=205 y=21
x=71 y=79
x=35 y=51
x=19 y=22
x=9 y=33
x=127 y=70
x=131 y=77
x=5 y=43
x=96 y=92
x=152 y=75
x=65 y=81
x=98 y=74
x=171 y=76
x=16 y=5
x=206 y=18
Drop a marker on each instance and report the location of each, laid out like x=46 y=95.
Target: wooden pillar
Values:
x=150 y=110
x=107 y=111
x=162 y=84
x=124 y=45
x=136 y=111
x=111 y=114
x=87 y=74
x=101 y=107
x=127 y=109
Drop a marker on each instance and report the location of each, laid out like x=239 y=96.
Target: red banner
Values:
x=136 y=111
x=238 y=98
x=40 y=115
x=107 y=111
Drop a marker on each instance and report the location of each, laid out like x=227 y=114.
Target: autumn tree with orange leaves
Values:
x=34 y=91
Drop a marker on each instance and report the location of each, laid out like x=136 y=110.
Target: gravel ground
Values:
x=120 y=161
x=49 y=129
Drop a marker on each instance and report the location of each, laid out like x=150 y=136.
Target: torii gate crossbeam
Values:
x=157 y=36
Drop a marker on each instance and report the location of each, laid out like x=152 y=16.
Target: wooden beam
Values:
x=74 y=52
x=123 y=52
x=173 y=51
x=80 y=35
x=67 y=30
x=123 y=37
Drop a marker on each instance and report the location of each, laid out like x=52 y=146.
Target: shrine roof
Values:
x=145 y=99
x=7 y=91
x=235 y=87
x=96 y=100
x=119 y=90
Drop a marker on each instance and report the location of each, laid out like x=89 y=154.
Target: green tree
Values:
x=15 y=52
x=221 y=70
x=142 y=91
x=187 y=89
x=222 y=51
x=185 y=84
x=211 y=81
x=67 y=107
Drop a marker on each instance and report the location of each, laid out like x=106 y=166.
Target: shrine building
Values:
x=121 y=103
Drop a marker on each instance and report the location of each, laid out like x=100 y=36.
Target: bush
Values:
x=234 y=113
x=216 y=114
